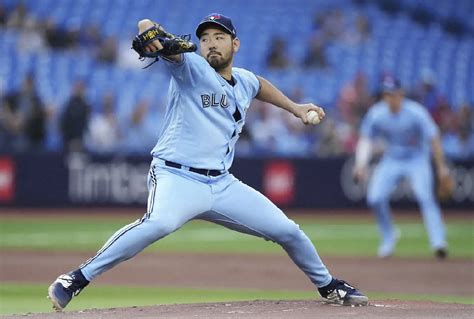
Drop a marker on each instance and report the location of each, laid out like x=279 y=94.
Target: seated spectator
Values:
x=297 y=140
x=466 y=117
x=103 y=132
x=3 y=16
x=75 y=119
x=107 y=52
x=32 y=37
x=18 y=16
x=140 y=130
x=426 y=92
x=445 y=117
x=90 y=38
x=354 y=100
x=58 y=38
x=329 y=143
x=458 y=145
x=265 y=126
x=359 y=32
x=316 y=55
x=277 y=57
x=23 y=118
x=333 y=26
x=363 y=27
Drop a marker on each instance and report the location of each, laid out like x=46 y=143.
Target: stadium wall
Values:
x=31 y=180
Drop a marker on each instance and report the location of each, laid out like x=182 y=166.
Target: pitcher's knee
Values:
x=156 y=229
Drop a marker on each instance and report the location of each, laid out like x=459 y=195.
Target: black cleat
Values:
x=340 y=292
x=441 y=253
x=65 y=287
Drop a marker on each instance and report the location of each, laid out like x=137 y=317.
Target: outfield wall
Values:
x=85 y=180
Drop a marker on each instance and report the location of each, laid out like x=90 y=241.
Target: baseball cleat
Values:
x=340 y=292
x=387 y=247
x=64 y=288
x=441 y=253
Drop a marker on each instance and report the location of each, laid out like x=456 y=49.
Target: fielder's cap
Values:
x=390 y=84
x=217 y=19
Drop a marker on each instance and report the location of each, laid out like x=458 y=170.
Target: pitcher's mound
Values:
x=293 y=309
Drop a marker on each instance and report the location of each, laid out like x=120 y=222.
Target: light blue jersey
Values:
x=205 y=114
x=406 y=134
x=189 y=176
x=204 y=117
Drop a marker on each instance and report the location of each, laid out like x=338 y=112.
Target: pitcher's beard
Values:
x=218 y=63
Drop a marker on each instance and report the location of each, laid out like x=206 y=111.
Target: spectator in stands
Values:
x=58 y=38
x=3 y=16
x=107 y=52
x=363 y=27
x=261 y=125
x=140 y=130
x=354 y=100
x=18 y=16
x=316 y=55
x=333 y=26
x=426 y=92
x=32 y=37
x=329 y=143
x=103 y=132
x=458 y=136
x=458 y=145
x=296 y=140
x=359 y=32
x=90 y=38
x=75 y=119
x=23 y=118
x=277 y=57
x=445 y=117
x=466 y=117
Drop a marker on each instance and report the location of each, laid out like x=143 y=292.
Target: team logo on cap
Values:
x=214 y=17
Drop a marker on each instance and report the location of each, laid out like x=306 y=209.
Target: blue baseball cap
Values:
x=217 y=19
x=390 y=84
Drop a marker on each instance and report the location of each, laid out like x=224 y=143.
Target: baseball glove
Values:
x=172 y=44
x=445 y=187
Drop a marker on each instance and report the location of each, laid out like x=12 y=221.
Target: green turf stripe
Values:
x=331 y=237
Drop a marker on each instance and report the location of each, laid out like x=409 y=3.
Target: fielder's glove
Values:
x=445 y=187
x=171 y=44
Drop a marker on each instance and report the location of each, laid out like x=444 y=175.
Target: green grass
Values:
x=332 y=237
x=18 y=298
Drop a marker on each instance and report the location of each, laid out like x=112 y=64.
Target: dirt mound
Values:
x=274 y=309
x=397 y=275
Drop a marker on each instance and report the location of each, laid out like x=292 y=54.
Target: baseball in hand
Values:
x=313 y=117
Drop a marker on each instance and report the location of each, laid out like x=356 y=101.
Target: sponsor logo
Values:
x=115 y=181
x=7 y=179
x=279 y=182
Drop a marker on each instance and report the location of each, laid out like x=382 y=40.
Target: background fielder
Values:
x=409 y=136
x=189 y=178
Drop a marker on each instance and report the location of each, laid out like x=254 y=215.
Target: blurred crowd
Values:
x=27 y=124
x=37 y=35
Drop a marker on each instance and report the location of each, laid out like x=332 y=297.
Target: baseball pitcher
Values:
x=189 y=177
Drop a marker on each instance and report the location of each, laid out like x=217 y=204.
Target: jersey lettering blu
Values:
x=200 y=129
x=406 y=134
